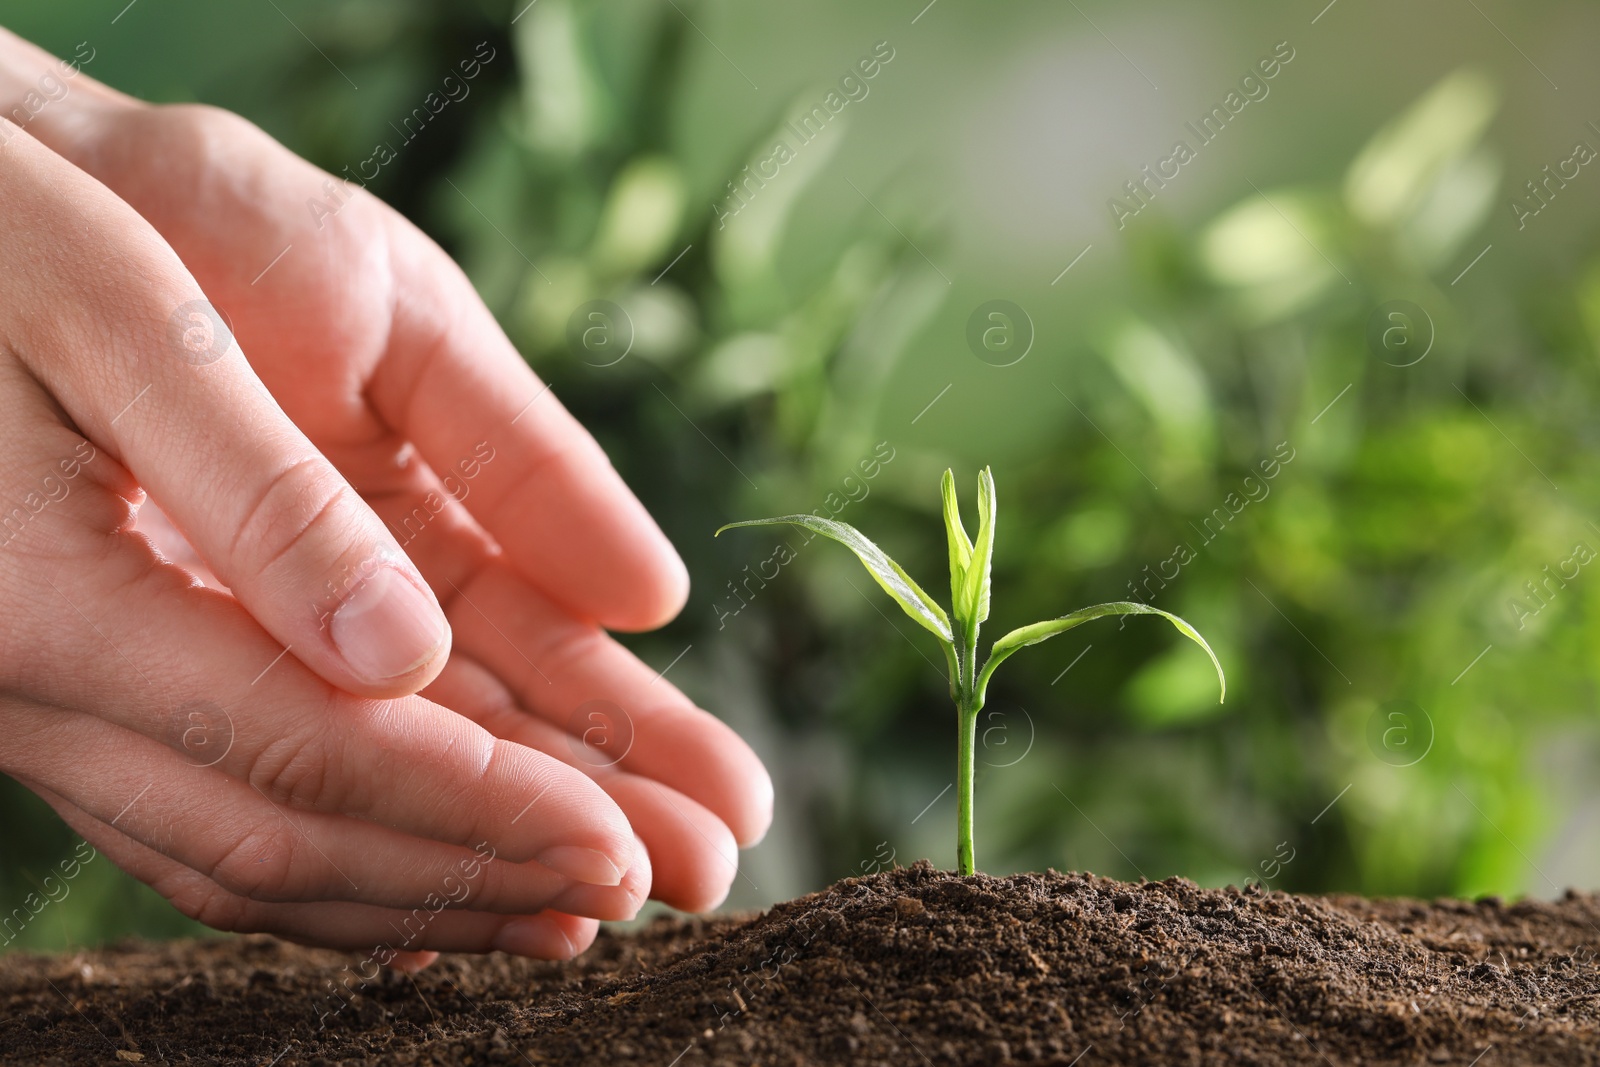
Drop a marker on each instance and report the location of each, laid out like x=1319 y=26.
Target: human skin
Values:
x=366 y=370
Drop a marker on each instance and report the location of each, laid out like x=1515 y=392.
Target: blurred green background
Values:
x=1406 y=714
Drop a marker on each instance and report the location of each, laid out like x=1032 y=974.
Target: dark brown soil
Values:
x=914 y=966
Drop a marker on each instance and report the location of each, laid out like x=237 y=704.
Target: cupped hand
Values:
x=169 y=722
x=379 y=351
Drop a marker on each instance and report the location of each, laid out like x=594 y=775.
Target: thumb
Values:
x=281 y=527
x=294 y=541
x=150 y=372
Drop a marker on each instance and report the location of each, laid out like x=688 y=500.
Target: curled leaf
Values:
x=885 y=571
x=1024 y=636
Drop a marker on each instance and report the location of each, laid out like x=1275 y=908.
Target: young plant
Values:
x=969 y=605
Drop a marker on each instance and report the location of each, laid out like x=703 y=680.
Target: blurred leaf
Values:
x=1398 y=167
x=549 y=296
x=756 y=203
x=663 y=321
x=741 y=367
x=1454 y=205
x=1167 y=382
x=568 y=108
x=641 y=217
x=1272 y=250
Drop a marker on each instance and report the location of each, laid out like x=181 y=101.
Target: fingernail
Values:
x=387 y=627
x=581 y=864
x=537 y=937
x=641 y=892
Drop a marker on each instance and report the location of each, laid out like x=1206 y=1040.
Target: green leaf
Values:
x=1043 y=631
x=960 y=543
x=885 y=571
x=972 y=602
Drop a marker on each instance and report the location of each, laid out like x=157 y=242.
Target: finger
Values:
x=693 y=854
x=62 y=125
x=413 y=962
x=698 y=857
x=557 y=665
x=446 y=546
x=173 y=399
x=218 y=690
x=452 y=383
x=235 y=836
x=427 y=515
x=404 y=935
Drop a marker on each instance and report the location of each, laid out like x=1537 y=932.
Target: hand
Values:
x=387 y=360
x=161 y=718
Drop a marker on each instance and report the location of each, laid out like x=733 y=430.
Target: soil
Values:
x=912 y=966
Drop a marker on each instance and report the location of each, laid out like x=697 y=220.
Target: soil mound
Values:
x=913 y=966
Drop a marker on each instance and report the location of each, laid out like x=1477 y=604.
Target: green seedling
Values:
x=969 y=603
